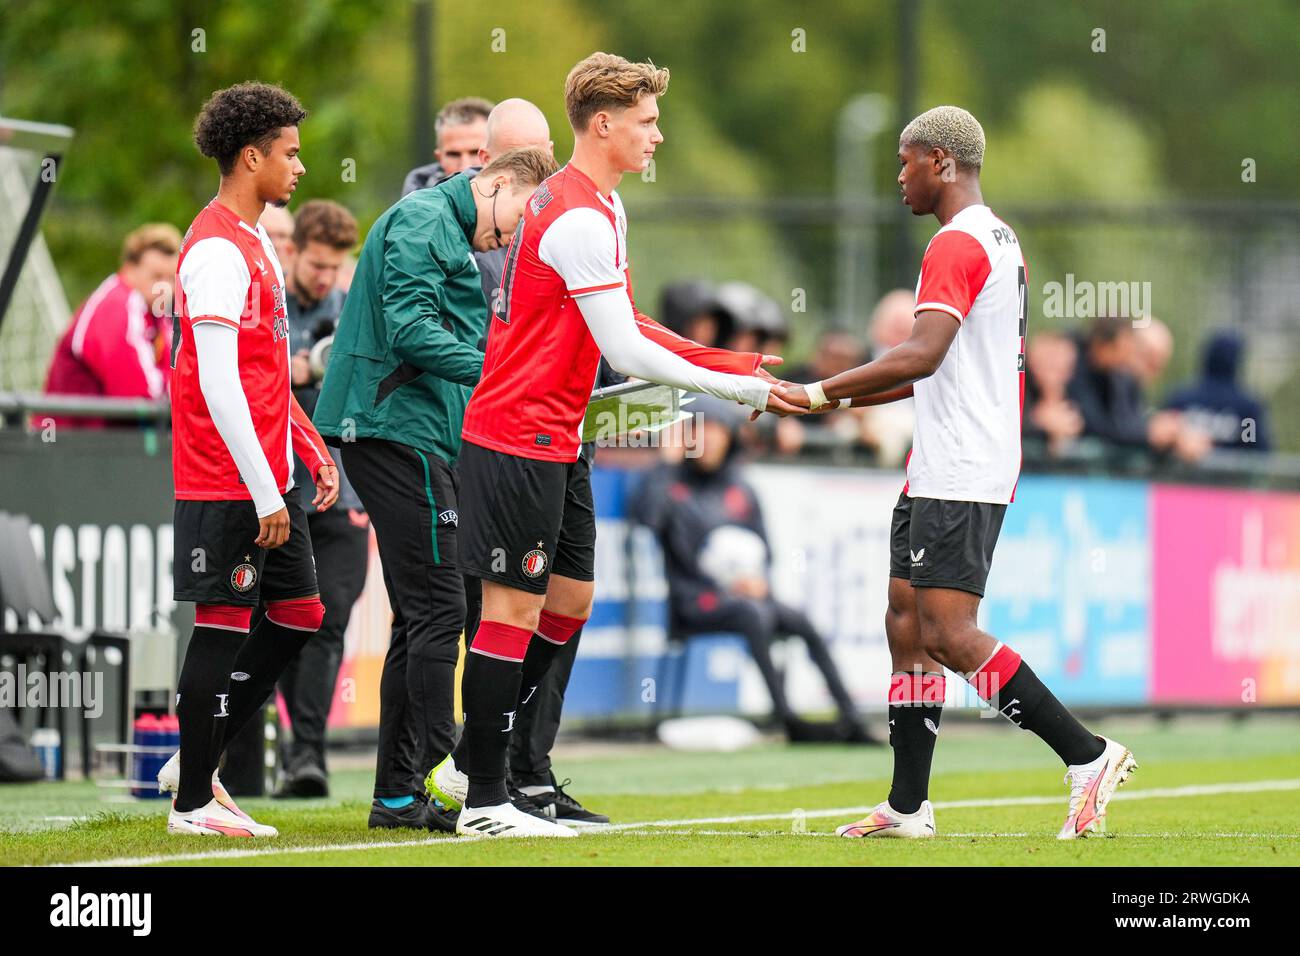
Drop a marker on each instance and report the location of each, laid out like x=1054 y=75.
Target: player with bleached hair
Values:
x=965 y=365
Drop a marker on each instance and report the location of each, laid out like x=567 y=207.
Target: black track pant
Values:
x=761 y=623
x=411 y=497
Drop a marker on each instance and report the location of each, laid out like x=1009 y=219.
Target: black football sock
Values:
x=267 y=652
x=541 y=653
x=915 y=707
x=202 y=704
x=553 y=632
x=1025 y=701
x=490 y=696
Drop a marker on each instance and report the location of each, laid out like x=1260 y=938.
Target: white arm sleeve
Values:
x=216 y=346
x=609 y=317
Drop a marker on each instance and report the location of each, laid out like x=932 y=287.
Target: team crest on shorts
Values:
x=534 y=562
x=243 y=577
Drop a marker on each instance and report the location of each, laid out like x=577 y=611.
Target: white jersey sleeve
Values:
x=215 y=280
x=582 y=246
x=609 y=317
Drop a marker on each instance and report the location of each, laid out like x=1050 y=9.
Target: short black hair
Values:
x=247 y=114
x=1107 y=328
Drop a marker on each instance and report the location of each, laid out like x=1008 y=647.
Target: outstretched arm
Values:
x=608 y=315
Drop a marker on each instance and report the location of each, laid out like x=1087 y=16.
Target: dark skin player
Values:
x=926 y=627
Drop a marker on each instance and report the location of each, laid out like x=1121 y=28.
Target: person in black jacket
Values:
x=1104 y=389
x=716 y=559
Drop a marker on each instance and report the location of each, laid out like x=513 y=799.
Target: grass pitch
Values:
x=1208 y=792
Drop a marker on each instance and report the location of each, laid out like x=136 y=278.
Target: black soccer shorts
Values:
x=522 y=519
x=934 y=543
x=214 y=560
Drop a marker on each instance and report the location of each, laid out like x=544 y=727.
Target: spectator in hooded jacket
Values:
x=1217 y=404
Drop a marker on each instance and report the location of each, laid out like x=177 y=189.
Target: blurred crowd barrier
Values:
x=1122 y=592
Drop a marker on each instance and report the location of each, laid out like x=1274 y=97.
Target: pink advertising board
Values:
x=1226 y=604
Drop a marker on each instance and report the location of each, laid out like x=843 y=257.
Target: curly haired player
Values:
x=236 y=427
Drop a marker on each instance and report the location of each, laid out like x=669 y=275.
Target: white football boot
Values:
x=214 y=819
x=885 y=821
x=503 y=820
x=1091 y=787
x=169 y=781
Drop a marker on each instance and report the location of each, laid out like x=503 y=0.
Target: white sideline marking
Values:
x=1153 y=793
x=649 y=827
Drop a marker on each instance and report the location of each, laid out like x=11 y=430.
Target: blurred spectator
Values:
x=1217 y=404
x=757 y=322
x=324 y=234
x=690 y=309
x=1153 y=348
x=888 y=428
x=461 y=131
x=1049 y=415
x=278 y=223
x=717 y=558
x=1104 y=388
x=348 y=268
x=837 y=351
x=1109 y=396
x=892 y=320
x=118 y=344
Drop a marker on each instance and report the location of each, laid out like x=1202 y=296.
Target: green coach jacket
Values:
x=404 y=357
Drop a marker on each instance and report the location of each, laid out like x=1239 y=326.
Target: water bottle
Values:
x=145 y=764
x=49 y=748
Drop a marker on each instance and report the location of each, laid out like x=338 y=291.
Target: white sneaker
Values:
x=885 y=821
x=1091 y=787
x=169 y=781
x=447 y=785
x=213 y=819
x=503 y=820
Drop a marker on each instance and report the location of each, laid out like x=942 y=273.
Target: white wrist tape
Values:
x=816 y=396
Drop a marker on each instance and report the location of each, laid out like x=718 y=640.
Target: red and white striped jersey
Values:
x=966 y=442
x=228 y=273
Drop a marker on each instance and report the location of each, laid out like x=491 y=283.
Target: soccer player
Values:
x=964 y=364
x=527 y=523
x=404 y=360
x=240 y=532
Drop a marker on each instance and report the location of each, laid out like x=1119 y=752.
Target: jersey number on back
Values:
x=501 y=300
x=1024 y=316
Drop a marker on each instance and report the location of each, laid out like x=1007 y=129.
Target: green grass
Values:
x=786 y=787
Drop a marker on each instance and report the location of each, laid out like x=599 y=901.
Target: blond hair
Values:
x=953 y=130
x=604 y=81
x=162 y=236
x=527 y=166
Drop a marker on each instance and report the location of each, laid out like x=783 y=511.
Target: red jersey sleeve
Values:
x=120 y=350
x=953 y=272
x=307 y=443
x=717 y=360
